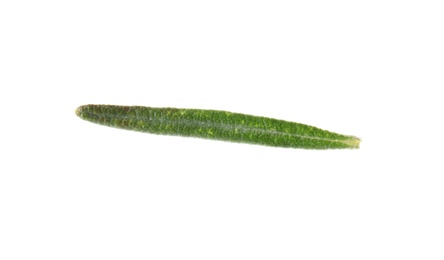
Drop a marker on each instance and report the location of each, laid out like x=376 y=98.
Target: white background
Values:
x=70 y=189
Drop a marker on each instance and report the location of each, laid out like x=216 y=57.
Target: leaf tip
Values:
x=79 y=110
x=353 y=142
